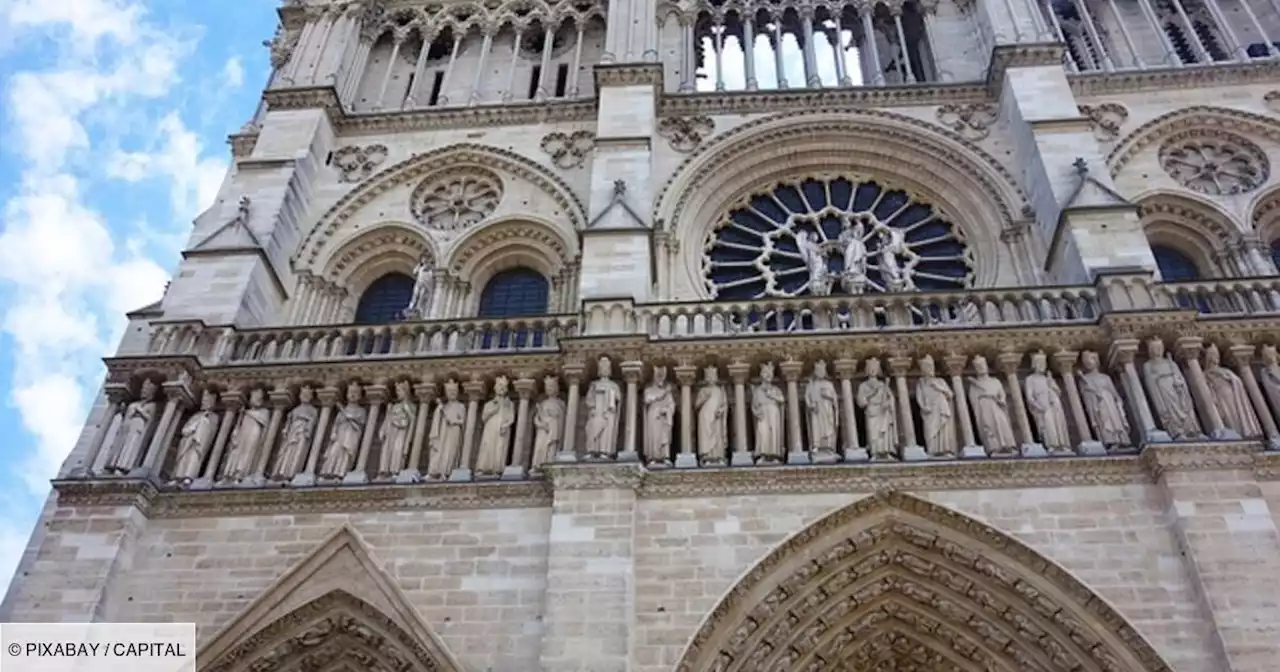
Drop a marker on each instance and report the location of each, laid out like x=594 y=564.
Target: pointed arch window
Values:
x=516 y=292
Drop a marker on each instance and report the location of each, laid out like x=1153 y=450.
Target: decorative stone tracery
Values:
x=1214 y=162
x=357 y=163
x=1195 y=121
x=893 y=582
x=456 y=199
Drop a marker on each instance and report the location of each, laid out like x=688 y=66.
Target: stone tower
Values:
x=713 y=335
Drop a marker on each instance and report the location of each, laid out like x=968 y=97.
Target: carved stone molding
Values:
x=1191 y=122
x=628 y=74
x=1217 y=75
x=973 y=121
x=107 y=493
x=1025 y=55
x=568 y=150
x=600 y=476
x=243 y=143
x=356 y=163
x=452 y=200
x=1163 y=459
x=1105 y=119
x=1214 y=162
x=686 y=133
x=1272 y=100
x=775 y=101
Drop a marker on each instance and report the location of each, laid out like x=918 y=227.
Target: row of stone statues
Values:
x=1033 y=415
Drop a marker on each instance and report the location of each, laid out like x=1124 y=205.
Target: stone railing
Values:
x=1248 y=296
x=1013 y=374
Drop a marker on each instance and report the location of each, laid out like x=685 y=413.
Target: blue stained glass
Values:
x=1174 y=265
x=383 y=301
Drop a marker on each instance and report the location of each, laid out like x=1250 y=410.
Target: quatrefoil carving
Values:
x=358 y=163
x=569 y=150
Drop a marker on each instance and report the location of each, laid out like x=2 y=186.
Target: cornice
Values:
x=1167 y=458
x=1226 y=74
x=340 y=499
x=411 y=365
x=752 y=102
x=595 y=476
x=1025 y=55
x=628 y=74
x=106 y=493
x=1266 y=466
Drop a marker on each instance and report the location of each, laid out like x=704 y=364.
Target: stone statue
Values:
x=1044 y=400
x=767 y=401
x=423 y=284
x=991 y=410
x=195 y=438
x=937 y=412
x=344 y=437
x=299 y=428
x=249 y=433
x=397 y=431
x=1229 y=396
x=712 y=406
x=1102 y=403
x=1169 y=394
x=496 y=420
x=603 y=397
x=131 y=436
x=824 y=410
x=854 y=276
x=659 y=419
x=1269 y=374
x=815 y=260
x=446 y=433
x=876 y=400
x=548 y=423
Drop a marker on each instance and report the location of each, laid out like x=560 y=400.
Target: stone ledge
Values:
x=803 y=100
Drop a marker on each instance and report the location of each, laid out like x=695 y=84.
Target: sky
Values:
x=115 y=118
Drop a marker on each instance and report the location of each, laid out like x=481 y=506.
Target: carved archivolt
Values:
x=686 y=133
x=931 y=164
x=505 y=244
x=1265 y=214
x=568 y=150
x=1192 y=121
x=1105 y=119
x=1214 y=162
x=376 y=251
x=456 y=199
x=893 y=582
x=440 y=161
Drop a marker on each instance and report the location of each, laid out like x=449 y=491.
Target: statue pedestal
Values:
x=253 y=481
x=514 y=472
x=628 y=456
x=973 y=453
x=856 y=455
x=1157 y=436
x=1225 y=434
x=1273 y=443
x=355 y=478
x=825 y=457
x=1091 y=448
x=1033 y=450
x=563 y=457
x=303 y=480
x=460 y=474
x=686 y=461
x=201 y=484
x=409 y=476
x=914 y=454
x=742 y=458
x=800 y=457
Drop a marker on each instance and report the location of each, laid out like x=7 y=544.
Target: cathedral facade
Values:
x=711 y=336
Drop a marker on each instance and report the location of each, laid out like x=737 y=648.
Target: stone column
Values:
x=1188 y=349
x=117 y=397
x=474 y=390
x=376 y=395
x=280 y=399
x=1008 y=362
x=1065 y=363
x=179 y=396
x=328 y=398
x=631 y=372
x=425 y=393
x=739 y=372
x=796 y=453
x=1227 y=534
x=685 y=376
x=911 y=448
x=1242 y=357
x=845 y=370
x=1120 y=355
x=568 y=452
x=519 y=469
x=589 y=589
x=955 y=368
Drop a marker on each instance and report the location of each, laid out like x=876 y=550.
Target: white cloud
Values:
x=68 y=277
x=233 y=73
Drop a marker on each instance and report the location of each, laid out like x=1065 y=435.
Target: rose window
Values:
x=1219 y=165
x=833 y=236
x=456 y=200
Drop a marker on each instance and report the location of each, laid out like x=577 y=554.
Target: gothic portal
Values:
x=711 y=336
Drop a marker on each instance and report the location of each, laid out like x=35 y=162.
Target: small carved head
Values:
x=1089 y=361
x=820 y=369
x=306 y=395
x=208 y=400
x=402 y=390
x=926 y=366
x=257 y=397
x=551 y=385
x=451 y=390
x=766 y=372
x=604 y=368
x=1211 y=356
x=1039 y=362
x=711 y=374
x=1270 y=356
x=873 y=367
x=1155 y=348
x=149 y=389
x=500 y=386
x=659 y=375
x=980 y=366
x=354 y=393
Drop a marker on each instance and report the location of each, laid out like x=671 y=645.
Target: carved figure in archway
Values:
x=823 y=405
x=659 y=419
x=854 y=276
x=247 y=439
x=875 y=397
x=497 y=417
x=548 y=423
x=934 y=396
x=1102 y=403
x=397 y=432
x=815 y=260
x=991 y=410
x=195 y=438
x=299 y=427
x=1170 y=396
x=603 y=397
x=423 y=285
x=713 y=415
x=1269 y=374
x=767 y=400
x=131 y=435
x=897 y=276
x=344 y=438
x=446 y=433
x=1044 y=400
x=1228 y=393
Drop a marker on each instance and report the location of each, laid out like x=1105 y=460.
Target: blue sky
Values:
x=115 y=118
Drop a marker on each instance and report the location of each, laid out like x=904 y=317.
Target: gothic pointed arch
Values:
x=893 y=582
x=335 y=610
x=518 y=242
x=1189 y=122
x=462 y=158
x=1264 y=215
x=931 y=165
x=361 y=257
x=1193 y=227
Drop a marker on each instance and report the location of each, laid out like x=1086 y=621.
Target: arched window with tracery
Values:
x=1174 y=265
x=385 y=299
x=515 y=292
